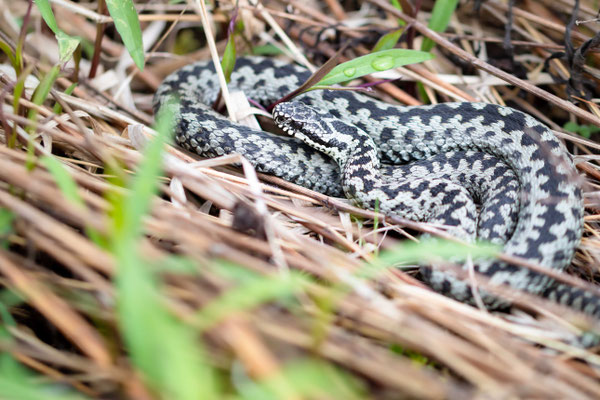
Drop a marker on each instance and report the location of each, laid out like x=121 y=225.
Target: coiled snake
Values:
x=427 y=163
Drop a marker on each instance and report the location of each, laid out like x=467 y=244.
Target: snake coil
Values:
x=426 y=163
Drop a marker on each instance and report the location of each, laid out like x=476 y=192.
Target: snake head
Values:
x=321 y=131
x=296 y=119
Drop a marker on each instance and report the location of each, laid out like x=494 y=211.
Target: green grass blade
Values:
x=6 y=226
x=128 y=25
x=39 y=96
x=16 y=382
x=20 y=86
x=68 y=188
x=57 y=107
x=440 y=18
x=145 y=183
x=65 y=182
x=42 y=90
x=371 y=63
x=310 y=379
x=430 y=250
x=6 y=219
x=398 y=6
x=167 y=352
x=251 y=294
x=6 y=49
x=26 y=389
x=388 y=41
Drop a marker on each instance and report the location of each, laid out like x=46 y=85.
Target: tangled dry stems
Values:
x=53 y=264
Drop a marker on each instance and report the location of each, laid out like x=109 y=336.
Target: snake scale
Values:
x=489 y=171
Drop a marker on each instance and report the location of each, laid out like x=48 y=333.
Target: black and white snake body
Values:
x=428 y=163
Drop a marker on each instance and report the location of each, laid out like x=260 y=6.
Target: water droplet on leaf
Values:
x=382 y=63
x=349 y=72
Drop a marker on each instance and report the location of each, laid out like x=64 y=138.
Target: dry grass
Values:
x=390 y=334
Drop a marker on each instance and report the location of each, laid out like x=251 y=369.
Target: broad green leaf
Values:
x=66 y=43
x=66 y=46
x=440 y=18
x=388 y=41
x=47 y=14
x=128 y=25
x=371 y=63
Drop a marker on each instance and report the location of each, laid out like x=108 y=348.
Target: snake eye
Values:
x=283 y=120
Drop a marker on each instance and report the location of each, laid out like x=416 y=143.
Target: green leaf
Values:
x=68 y=188
x=43 y=89
x=6 y=219
x=65 y=182
x=583 y=130
x=430 y=250
x=388 y=41
x=310 y=379
x=440 y=18
x=176 y=264
x=145 y=184
x=66 y=46
x=57 y=109
x=167 y=352
x=16 y=381
x=249 y=295
x=8 y=51
x=374 y=62
x=29 y=389
x=6 y=225
x=266 y=50
x=128 y=25
x=228 y=61
x=398 y=6
x=571 y=127
x=41 y=93
x=66 y=43
x=47 y=14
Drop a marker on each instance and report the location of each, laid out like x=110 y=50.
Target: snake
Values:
x=490 y=172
